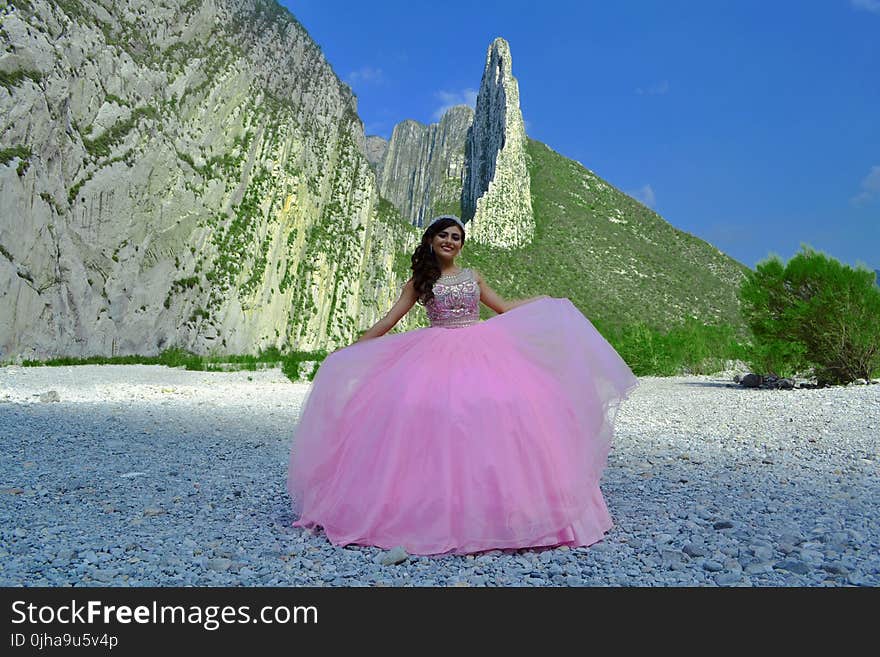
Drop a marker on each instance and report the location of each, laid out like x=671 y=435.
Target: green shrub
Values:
x=9 y=154
x=814 y=312
x=291 y=362
x=15 y=78
x=691 y=347
x=767 y=305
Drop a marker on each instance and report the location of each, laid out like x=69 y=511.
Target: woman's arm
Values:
x=407 y=300
x=492 y=299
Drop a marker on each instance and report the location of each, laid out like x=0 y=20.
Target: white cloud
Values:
x=867 y=5
x=366 y=75
x=453 y=98
x=870 y=187
x=657 y=89
x=645 y=196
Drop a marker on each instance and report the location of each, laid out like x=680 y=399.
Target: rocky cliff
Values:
x=422 y=170
x=192 y=174
x=376 y=147
x=496 y=196
x=473 y=163
x=188 y=173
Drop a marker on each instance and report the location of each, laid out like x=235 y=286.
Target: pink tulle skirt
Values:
x=462 y=440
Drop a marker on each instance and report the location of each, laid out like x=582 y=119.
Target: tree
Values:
x=814 y=311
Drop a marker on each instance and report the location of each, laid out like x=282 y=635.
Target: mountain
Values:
x=189 y=173
x=193 y=174
x=422 y=169
x=617 y=260
x=540 y=223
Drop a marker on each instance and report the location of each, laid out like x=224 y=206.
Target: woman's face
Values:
x=447 y=243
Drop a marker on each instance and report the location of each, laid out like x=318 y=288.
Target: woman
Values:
x=464 y=436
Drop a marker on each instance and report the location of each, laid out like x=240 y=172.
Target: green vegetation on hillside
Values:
x=15 y=78
x=24 y=154
x=618 y=261
x=9 y=154
x=100 y=146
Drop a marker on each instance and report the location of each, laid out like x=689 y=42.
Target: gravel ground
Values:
x=150 y=476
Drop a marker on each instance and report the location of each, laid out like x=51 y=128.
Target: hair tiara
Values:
x=446 y=216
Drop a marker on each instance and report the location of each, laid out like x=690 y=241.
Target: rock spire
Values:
x=496 y=196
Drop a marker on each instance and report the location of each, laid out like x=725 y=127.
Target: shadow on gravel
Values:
x=111 y=494
x=80 y=481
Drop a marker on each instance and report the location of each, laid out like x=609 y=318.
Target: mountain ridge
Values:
x=189 y=175
x=198 y=177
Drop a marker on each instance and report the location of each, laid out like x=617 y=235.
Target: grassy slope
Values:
x=616 y=273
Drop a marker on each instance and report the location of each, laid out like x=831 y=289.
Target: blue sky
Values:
x=754 y=125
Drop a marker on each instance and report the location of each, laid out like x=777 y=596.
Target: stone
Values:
x=732 y=565
x=728 y=578
x=837 y=540
x=694 y=550
x=835 y=568
x=220 y=564
x=103 y=574
x=392 y=557
x=758 y=568
x=51 y=396
x=671 y=558
x=793 y=566
x=762 y=552
x=856 y=579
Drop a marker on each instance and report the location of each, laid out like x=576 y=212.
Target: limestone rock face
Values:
x=496 y=197
x=422 y=171
x=376 y=147
x=188 y=173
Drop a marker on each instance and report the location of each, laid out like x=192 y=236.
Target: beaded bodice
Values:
x=456 y=301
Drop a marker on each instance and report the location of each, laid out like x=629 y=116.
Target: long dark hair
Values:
x=425 y=265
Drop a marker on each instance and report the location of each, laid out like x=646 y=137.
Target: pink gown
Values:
x=464 y=436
